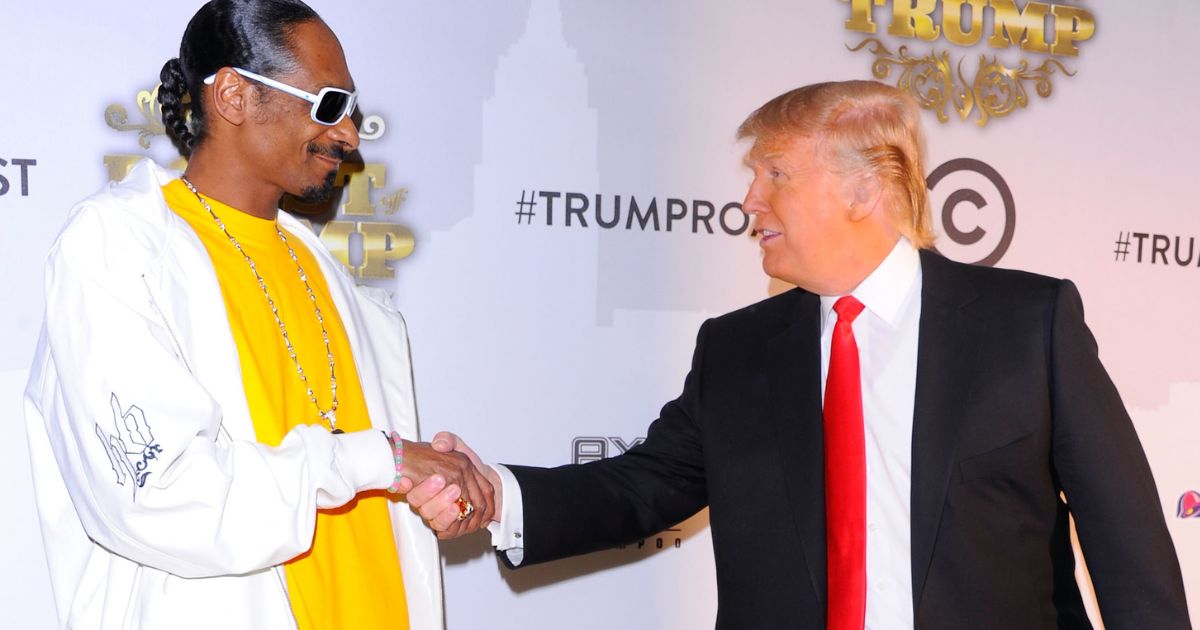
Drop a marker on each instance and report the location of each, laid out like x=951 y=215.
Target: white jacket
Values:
x=159 y=509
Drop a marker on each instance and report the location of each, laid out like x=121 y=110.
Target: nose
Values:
x=754 y=203
x=345 y=132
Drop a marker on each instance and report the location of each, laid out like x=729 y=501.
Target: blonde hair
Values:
x=861 y=126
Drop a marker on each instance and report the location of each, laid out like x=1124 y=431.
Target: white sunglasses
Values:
x=329 y=106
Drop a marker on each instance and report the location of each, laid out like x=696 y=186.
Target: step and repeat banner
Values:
x=551 y=190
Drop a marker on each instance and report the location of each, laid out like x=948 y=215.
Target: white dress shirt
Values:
x=886 y=334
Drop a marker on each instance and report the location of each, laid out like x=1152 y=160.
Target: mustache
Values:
x=334 y=151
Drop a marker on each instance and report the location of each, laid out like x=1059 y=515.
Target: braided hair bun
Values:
x=170 y=96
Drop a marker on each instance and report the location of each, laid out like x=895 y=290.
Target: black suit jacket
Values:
x=1016 y=426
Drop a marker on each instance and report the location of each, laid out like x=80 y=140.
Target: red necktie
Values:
x=845 y=476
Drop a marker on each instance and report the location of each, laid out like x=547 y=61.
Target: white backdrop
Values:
x=529 y=332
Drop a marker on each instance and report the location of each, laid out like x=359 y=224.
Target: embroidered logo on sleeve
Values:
x=132 y=448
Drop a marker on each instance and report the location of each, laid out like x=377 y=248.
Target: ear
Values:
x=865 y=193
x=230 y=96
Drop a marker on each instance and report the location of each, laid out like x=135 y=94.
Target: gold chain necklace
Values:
x=329 y=415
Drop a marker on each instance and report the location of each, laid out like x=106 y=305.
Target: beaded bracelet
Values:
x=397 y=444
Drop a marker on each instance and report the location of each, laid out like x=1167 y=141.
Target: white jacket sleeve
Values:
x=139 y=443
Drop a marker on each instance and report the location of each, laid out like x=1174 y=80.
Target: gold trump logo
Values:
x=360 y=235
x=939 y=82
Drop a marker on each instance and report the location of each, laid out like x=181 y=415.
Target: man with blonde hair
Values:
x=899 y=442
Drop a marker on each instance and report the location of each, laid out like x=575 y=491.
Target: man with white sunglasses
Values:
x=221 y=440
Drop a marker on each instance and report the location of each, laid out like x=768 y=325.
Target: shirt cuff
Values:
x=508 y=534
x=365 y=459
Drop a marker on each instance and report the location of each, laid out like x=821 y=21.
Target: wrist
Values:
x=397 y=446
x=493 y=478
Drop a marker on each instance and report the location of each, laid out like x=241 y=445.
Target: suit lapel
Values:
x=947 y=348
x=794 y=377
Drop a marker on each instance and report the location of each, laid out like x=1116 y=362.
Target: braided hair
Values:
x=250 y=34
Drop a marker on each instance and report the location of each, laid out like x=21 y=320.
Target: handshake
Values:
x=448 y=485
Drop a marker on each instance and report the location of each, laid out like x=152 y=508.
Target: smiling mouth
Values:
x=332 y=160
x=333 y=154
x=767 y=235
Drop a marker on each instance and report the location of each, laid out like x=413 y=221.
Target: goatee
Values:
x=319 y=193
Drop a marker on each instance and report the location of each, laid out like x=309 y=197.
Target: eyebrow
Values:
x=749 y=159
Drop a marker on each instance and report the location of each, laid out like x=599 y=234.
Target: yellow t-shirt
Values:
x=350 y=578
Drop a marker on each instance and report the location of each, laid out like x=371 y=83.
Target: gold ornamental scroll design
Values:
x=936 y=83
x=117 y=117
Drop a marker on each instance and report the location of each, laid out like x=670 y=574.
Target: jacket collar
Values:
x=947 y=348
x=794 y=382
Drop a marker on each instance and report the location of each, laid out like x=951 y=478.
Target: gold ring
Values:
x=465 y=508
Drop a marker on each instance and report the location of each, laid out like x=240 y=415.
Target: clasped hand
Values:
x=437 y=474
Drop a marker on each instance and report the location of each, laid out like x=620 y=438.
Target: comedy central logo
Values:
x=987 y=88
x=359 y=229
x=975 y=210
